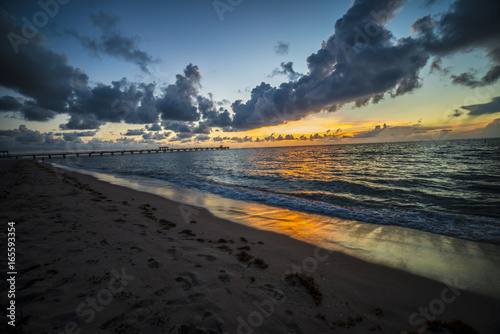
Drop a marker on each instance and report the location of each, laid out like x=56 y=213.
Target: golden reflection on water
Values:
x=475 y=265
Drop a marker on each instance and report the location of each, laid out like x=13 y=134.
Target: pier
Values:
x=64 y=154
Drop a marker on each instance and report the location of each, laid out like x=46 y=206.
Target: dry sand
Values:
x=98 y=258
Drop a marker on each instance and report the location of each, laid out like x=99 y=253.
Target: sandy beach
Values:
x=92 y=257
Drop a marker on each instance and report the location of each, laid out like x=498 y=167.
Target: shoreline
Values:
x=398 y=247
x=78 y=236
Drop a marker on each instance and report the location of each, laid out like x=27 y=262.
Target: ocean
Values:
x=449 y=187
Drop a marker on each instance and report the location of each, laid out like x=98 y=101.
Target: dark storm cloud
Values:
x=79 y=122
x=211 y=116
x=25 y=138
x=469 y=79
x=121 y=101
x=133 y=132
x=153 y=127
x=468 y=25
x=359 y=63
x=240 y=140
x=9 y=103
x=75 y=136
x=50 y=87
x=220 y=139
x=53 y=87
x=33 y=71
x=437 y=65
x=32 y=111
x=23 y=135
x=286 y=69
x=202 y=129
x=113 y=43
x=155 y=136
x=282 y=48
x=485 y=108
x=179 y=100
x=182 y=136
x=177 y=126
x=202 y=138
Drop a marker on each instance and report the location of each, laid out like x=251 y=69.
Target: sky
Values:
x=240 y=73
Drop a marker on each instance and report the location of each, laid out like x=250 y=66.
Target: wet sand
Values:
x=92 y=257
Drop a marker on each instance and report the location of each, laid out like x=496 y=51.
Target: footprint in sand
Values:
x=136 y=249
x=152 y=263
x=223 y=276
x=186 y=280
x=210 y=258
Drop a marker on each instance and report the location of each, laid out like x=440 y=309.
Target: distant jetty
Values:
x=64 y=154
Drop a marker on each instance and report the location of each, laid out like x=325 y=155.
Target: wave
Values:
x=467 y=227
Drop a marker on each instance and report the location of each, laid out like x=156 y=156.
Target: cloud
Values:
x=81 y=122
x=213 y=117
x=113 y=43
x=485 y=108
x=492 y=129
x=133 y=132
x=121 y=101
x=23 y=135
x=202 y=138
x=71 y=135
x=9 y=103
x=437 y=65
x=469 y=79
x=53 y=87
x=33 y=111
x=282 y=48
x=371 y=133
x=202 y=128
x=154 y=127
x=219 y=139
x=43 y=76
x=401 y=132
x=286 y=69
x=182 y=136
x=26 y=139
x=179 y=100
x=240 y=140
x=456 y=113
x=75 y=136
x=155 y=136
x=359 y=63
x=178 y=126
x=467 y=25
